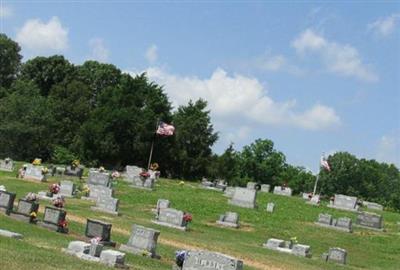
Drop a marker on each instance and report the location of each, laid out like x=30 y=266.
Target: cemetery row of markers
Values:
x=143 y=241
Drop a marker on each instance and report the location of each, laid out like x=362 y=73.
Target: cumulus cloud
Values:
x=42 y=37
x=98 y=50
x=6 y=11
x=384 y=26
x=151 y=54
x=338 y=58
x=389 y=149
x=241 y=99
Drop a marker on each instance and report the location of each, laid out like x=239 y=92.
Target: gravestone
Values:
x=337 y=255
x=76 y=171
x=265 y=188
x=34 y=173
x=270 y=207
x=112 y=258
x=54 y=219
x=106 y=204
x=97 y=228
x=344 y=202
x=370 y=221
x=143 y=241
x=314 y=200
x=305 y=195
x=325 y=219
x=229 y=191
x=6 y=165
x=99 y=179
x=67 y=189
x=229 y=219
x=251 y=185
x=133 y=173
x=341 y=224
x=244 y=197
x=301 y=250
x=161 y=204
x=220 y=184
x=96 y=192
x=24 y=210
x=143 y=183
x=171 y=218
x=11 y=234
x=206 y=260
x=285 y=191
x=345 y=223
x=288 y=247
x=372 y=205
x=6 y=201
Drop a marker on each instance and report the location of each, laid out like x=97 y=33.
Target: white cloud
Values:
x=384 y=26
x=151 y=54
x=42 y=37
x=98 y=50
x=6 y=11
x=337 y=58
x=389 y=149
x=240 y=99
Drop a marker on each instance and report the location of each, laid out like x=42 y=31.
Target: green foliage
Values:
x=10 y=61
x=62 y=155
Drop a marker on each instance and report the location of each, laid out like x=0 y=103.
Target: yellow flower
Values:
x=33 y=214
x=37 y=161
x=181 y=183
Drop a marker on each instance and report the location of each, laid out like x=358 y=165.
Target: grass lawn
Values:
x=41 y=248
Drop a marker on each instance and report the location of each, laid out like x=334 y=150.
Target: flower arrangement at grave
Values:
x=95 y=240
x=293 y=241
x=85 y=190
x=145 y=253
x=59 y=202
x=37 y=161
x=187 y=218
x=54 y=188
x=31 y=197
x=45 y=170
x=75 y=163
x=115 y=174
x=180 y=257
x=63 y=224
x=144 y=174
x=181 y=183
x=101 y=169
x=154 y=166
x=33 y=216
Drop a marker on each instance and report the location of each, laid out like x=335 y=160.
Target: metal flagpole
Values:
x=316 y=180
x=152 y=145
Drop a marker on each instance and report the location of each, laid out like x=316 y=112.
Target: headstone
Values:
x=95 y=249
x=112 y=258
x=96 y=192
x=96 y=228
x=133 y=173
x=220 y=184
x=206 y=260
x=6 y=165
x=325 y=219
x=345 y=223
x=285 y=191
x=143 y=241
x=244 y=197
x=251 y=185
x=341 y=224
x=270 y=207
x=34 y=173
x=54 y=219
x=314 y=200
x=229 y=219
x=337 y=255
x=10 y=234
x=76 y=171
x=67 y=189
x=171 y=218
x=370 y=221
x=99 y=178
x=265 y=188
x=273 y=243
x=372 y=205
x=161 y=204
x=306 y=195
x=344 y=202
x=229 y=191
x=301 y=250
x=147 y=183
x=24 y=210
x=288 y=247
x=106 y=204
x=6 y=201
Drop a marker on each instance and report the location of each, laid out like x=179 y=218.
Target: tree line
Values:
x=58 y=111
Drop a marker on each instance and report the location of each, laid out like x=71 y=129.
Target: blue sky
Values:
x=313 y=77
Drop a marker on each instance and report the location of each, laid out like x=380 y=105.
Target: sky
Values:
x=313 y=77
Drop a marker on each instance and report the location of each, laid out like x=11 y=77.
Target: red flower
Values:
x=144 y=174
x=187 y=217
x=63 y=223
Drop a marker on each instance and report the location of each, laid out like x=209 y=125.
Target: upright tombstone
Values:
x=133 y=173
x=146 y=183
x=206 y=260
x=97 y=228
x=288 y=247
x=67 y=188
x=76 y=171
x=143 y=241
x=285 y=191
x=229 y=191
x=96 y=192
x=344 y=202
x=35 y=173
x=337 y=255
x=229 y=219
x=106 y=204
x=6 y=201
x=270 y=207
x=369 y=220
x=244 y=197
x=220 y=184
x=372 y=205
x=265 y=188
x=341 y=224
x=161 y=204
x=98 y=178
x=54 y=219
x=314 y=200
x=251 y=185
x=6 y=165
x=26 y=211
x=171 y=218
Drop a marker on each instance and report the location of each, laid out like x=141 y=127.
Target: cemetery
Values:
x=341 y=224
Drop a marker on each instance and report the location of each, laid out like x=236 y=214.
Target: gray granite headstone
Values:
x=372 y=205
x=251 y=185
x=325 y=219
x=229 y=191
x=74 y=171
x=133 y=173
x=11 y=234
x=274 y=243
x=172 y=218
x=34 y=173
x=143 y=241
x=99 y=178
x=265 y=188
x=344 y=202
x=67 y=189
x=6 y=165
x=162 y=203
x=229 y=219
x=107 y=204
x=6 y=201
x=344 y=222
x=27 y=207
x=270 y=207
x=244 y=197
x=206 y=260
x=285 y=191
x=337 y=255
x=96 y=192
x=370 y=221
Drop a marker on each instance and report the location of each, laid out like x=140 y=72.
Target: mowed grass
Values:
x=41 y=248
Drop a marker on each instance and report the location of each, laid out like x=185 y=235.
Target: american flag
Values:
x=165 y=129
x=325 y=164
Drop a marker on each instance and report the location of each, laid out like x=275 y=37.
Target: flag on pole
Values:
x=325 y=164
x=165 y=129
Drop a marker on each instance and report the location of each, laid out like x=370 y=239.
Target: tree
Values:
x=193 y=140
x=47 y=72
x=297 y=178
x=10 y=61
x=228 y=166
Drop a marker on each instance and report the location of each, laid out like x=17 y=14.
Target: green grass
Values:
x=41 y=249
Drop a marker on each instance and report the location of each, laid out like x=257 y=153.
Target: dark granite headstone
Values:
x=96 y=228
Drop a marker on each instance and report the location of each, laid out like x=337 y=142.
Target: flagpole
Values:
x=152 y=146
x=316 y=180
